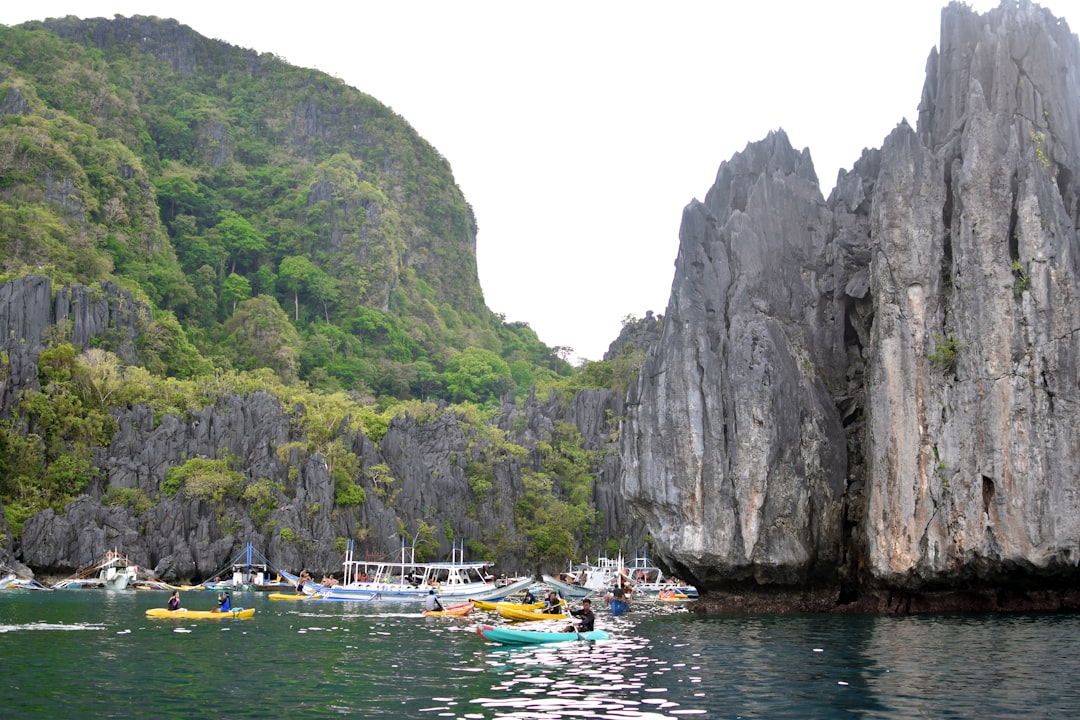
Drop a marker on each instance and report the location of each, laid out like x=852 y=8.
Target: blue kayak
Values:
x=510 y=636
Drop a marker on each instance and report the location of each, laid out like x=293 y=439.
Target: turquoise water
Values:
x=88 y=653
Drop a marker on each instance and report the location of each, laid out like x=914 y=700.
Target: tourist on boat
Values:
x=174 y=601
x=224 y=603
x=552 y=603
x=431 y=602
x=588 y=619
x=303 y=578
x=529 y=598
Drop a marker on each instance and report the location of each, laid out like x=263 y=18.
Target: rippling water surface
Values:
x=89 y=653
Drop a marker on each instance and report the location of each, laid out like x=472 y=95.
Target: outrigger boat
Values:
x=648 y=582
x=565 y=586
x=114 y=572
x=248 y=570
x=409 y=580
x=513 y=636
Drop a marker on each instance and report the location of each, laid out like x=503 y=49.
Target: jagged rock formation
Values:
x=639 y=335
x=28 y=307
x=879 y=392
x=424 y=479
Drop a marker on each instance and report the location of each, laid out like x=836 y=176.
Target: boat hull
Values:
x=182 y=613
x=511 y=636
x=568 y=590
x=392 y=592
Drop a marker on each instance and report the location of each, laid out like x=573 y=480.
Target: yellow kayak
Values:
x=488 y=605
x=512 y=612
x=183 y=613
x=293 y=596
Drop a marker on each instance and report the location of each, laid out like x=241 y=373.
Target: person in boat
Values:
x=224 y=603
x=431 y=602
x=301 y=579
x=174 y=601
x=529 y=598
x=588 y=619
x=552 y=603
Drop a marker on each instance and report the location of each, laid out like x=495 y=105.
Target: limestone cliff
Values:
x=416 y=473
x=879 y=392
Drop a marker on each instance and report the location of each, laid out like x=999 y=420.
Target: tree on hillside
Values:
x=239 y=237
x=260 y=335
x=296 y=272
x=235 y=288
x=477 y=375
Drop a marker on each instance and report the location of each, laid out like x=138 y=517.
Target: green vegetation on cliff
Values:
x=288 y=234
x=230 y=188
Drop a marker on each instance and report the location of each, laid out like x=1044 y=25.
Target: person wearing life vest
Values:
x=224 y=603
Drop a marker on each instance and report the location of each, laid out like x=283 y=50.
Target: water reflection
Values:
x=621 y=677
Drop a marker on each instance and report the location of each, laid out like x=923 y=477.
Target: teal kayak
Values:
x=510 y=636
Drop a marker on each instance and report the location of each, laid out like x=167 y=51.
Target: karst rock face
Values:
x=882 y=389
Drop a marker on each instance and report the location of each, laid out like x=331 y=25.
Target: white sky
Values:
x=578 y=131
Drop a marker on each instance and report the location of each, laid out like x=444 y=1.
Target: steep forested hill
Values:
x=224 y=281
x=209 y=178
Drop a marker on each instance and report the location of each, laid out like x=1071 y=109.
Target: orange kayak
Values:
x=453 y=611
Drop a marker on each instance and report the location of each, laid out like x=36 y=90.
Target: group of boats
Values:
x=405 y=579
x=112 y=572
x=521 y=614
x=461 y=587
x=641 y=577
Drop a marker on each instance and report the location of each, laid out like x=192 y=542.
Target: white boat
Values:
x=25 y=584
x=7 y=580
x=114 y=572
x=604 y=575
x=648 y=582
x=643 y=579
x=249 y=570
x=408 y=580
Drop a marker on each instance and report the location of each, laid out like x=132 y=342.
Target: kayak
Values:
x=243 y=613
x=489 y=605
x=511 y=636
x=513 y=612
x=453 y=611
x=293 y=596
